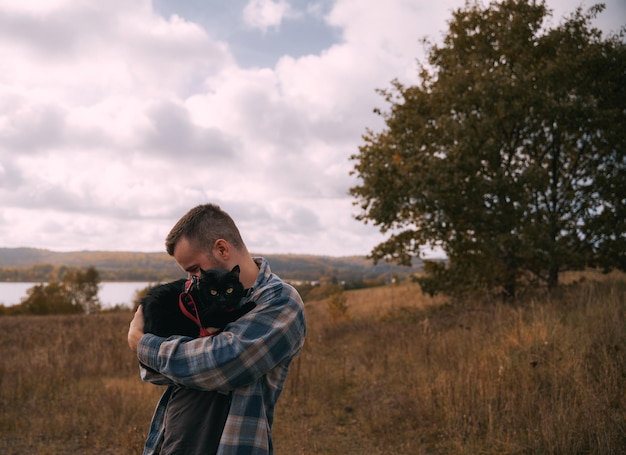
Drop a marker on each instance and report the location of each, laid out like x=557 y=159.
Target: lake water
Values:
x=110 y=293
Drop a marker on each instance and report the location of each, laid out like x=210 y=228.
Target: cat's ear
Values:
x=235 y=270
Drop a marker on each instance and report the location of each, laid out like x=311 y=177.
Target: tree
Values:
x=83 y=285
x=77 y=292
x=508 y=154
x=51 y=298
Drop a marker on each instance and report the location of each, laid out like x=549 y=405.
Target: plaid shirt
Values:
x=250 y=358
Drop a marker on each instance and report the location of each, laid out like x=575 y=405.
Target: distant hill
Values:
x=138 y=266
x=26 y=257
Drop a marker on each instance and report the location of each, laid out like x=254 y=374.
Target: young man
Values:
x=248 y=360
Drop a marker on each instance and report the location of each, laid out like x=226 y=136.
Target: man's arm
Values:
x=135 y=331
x=252 y=346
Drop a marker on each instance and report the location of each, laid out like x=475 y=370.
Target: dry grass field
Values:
x=398 y=373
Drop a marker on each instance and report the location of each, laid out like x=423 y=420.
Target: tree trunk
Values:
x=510 y=274
x=553 y=277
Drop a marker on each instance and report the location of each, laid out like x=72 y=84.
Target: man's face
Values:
x=193 y=260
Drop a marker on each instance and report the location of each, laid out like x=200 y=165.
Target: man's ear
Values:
x=221 y=249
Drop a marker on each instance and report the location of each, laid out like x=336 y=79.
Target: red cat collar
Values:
x=185 y=299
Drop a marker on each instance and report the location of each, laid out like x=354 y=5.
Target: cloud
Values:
x=173 y=134
x=116 y=117
x=265 y=14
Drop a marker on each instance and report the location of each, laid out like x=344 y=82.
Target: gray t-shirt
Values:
x=194 y=421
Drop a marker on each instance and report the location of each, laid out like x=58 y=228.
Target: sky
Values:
x=117 y=117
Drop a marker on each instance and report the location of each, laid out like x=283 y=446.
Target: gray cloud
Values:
x=34 y=129
x=54 y=34
x=174 y=135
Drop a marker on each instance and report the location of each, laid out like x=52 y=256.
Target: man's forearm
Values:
x=147 y=374
x=229 y=360
x=177 y=361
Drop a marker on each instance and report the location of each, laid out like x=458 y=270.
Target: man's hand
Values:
x=135 y=331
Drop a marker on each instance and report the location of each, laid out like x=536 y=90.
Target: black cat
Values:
x=187 y=307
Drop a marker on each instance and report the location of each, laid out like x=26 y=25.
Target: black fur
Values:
x=217 y=297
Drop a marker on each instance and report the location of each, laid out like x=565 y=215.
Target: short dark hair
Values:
x=202 y=226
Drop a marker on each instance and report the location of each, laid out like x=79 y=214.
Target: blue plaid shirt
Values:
x=250 y=358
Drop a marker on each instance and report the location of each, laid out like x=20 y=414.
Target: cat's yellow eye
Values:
x=213 y=292
x=229 y=291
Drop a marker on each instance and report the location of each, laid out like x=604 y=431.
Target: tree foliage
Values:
x=508 y=154
x=82 y=286
x=50 y=298
x=75 y=292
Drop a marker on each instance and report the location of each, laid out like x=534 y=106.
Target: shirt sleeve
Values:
x=154 y=377
x=248 y=349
